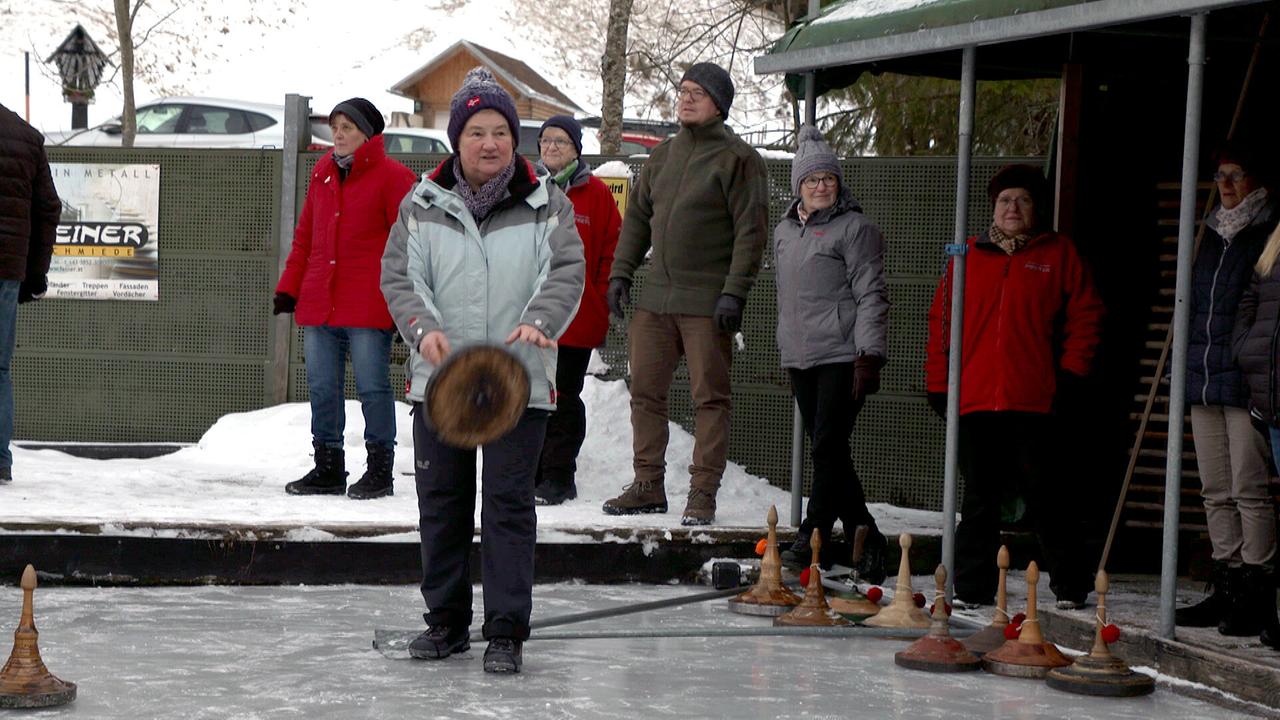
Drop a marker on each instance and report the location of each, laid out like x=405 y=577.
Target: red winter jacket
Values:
x=336 y=262
x=1026 y=316
x=598 y=223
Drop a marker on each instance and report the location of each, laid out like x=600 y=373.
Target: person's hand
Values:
x=866 y=377
x=938 y=403
x=531 y=335
x=283 y=303
x=618 y=296
x=434 y=346
x=33 y=288
x=728 y=313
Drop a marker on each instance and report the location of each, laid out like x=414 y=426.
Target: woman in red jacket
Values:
x=598 y=220
x=330 y=283
x=1032 y=320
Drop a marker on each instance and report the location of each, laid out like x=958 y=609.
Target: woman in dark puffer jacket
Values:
x=1256 y=335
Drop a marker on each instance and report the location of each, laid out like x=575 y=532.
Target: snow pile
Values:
x=768 y=154
x=855 y=9
x=614 y=169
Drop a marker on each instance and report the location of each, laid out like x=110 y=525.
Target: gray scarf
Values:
x=344 y=161
x=1231 y=222
x=482 y=201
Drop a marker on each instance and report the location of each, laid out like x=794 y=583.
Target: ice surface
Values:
x=235 y=476
x=305 y=652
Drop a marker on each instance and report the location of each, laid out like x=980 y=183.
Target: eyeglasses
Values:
x=1232 y=177
x=1019 y=200
x=554 y=142
x=813 y=181
x=694 y=94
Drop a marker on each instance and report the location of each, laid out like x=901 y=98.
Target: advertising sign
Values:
x=108 y=242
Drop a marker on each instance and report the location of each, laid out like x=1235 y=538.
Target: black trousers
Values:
x=446 y=483
x=567 y=426
x=825 y=396
x=1008 y=452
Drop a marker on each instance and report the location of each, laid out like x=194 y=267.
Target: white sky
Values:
x=235 y=476
x=341 y=50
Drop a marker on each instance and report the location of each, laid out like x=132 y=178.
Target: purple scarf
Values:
x=481 y=202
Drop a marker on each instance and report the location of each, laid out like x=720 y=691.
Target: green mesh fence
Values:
x=114 y=371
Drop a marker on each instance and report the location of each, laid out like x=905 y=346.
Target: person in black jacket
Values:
x=1231 y=453
x=1256 y=343
x=29 y=213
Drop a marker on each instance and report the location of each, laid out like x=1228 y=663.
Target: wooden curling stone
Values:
x=477 y=395
x=24 y=681
x=992 y=636
x=1100 y=673
x=848 y=601
x=1029 y=656
x=813 y=610
x=769 y=597
x=938 y=651
x=902 y=612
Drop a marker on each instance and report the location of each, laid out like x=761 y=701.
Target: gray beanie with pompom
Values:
x=813 y=155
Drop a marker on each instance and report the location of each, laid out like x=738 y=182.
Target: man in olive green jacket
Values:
x=701 y=205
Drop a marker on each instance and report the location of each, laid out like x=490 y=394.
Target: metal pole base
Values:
x=1101 y=677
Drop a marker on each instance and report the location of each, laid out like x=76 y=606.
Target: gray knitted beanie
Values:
x=813 y=155
x=480 y=91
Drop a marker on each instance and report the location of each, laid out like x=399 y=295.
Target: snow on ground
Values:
x=235 y=477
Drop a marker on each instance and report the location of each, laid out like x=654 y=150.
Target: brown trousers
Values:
x=657 y=343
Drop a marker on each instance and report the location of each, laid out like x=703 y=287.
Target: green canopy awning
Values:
x=925 y=36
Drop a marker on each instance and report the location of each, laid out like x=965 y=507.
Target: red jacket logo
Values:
x=1039 y=267
x=473 y=101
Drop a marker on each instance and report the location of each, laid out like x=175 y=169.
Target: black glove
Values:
x=866 y=377
x=938 y=403
x=33 y=288
x=728 y=314
x=618 y=296
x=283 y=303
x=1069 y=393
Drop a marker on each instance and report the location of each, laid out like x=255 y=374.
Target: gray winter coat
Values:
x=833 y=303
x=522 y=265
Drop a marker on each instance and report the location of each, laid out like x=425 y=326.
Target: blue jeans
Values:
x=8 y=326
x=325 y=349
x=1275 y=444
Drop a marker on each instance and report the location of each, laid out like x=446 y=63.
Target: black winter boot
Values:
x=1267 y=607
x=328 y=477
x=871 y=567
x=555 y=490
x=1244 y=616
x=376 y=481
x=1210 y=611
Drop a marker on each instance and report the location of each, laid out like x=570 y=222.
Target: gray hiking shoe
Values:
x=641 y=496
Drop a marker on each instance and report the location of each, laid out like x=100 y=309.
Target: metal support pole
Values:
x=1181 y=321
x=296 y=133
x=797 y=423
x=968 y=88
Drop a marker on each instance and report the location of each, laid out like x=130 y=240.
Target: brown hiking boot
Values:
x=641 y=496
x=700 y=509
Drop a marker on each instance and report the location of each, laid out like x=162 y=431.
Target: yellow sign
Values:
x=621 y=188
x=92 y=251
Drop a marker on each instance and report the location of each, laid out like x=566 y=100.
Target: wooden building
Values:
x=433 y=85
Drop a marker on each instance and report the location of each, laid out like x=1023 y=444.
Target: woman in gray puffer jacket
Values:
x=833 y=317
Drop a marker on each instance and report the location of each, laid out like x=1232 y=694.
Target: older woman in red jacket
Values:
x=331 y=284
x=1032 y=320
x=599 y=222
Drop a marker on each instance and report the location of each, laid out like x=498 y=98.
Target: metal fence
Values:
x=117 y=371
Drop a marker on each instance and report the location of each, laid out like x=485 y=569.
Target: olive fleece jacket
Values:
x=701 y=204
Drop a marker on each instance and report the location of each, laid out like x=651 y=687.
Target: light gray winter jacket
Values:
x=522 y=265
x=833 y=303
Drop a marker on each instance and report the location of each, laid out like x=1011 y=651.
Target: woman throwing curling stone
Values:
x=484 y=252
x=833 y=318
x=330 y=283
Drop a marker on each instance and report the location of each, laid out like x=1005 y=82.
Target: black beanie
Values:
x=716 y=82
x=571 y=127
x=362 y=113
x=1029 y=178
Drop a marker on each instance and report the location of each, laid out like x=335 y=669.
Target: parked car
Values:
x=638 y=143
x=200 y=122
x=416 y=140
